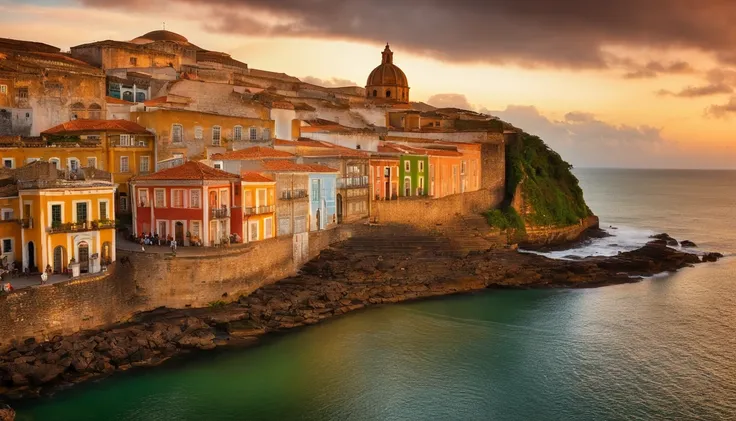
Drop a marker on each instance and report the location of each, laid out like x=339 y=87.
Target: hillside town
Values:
x=158 y=142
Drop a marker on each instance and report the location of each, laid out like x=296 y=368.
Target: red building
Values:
x=191 y=202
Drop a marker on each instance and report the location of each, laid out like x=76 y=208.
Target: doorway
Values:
x=339 y=209
x=179 y=233
x=31 y=257
x=319 y=222
x=59 y=259
x=83 y=257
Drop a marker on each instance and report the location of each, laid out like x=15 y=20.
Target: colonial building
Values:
x=352 y=197
x=322 y=197
x=387 y=81
x=121 y=147
x=40 y=87
x=61 y=218
x=258 y=207
x=190 y=202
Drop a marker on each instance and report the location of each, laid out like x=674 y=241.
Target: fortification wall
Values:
x=146 y=281
x=426 y=213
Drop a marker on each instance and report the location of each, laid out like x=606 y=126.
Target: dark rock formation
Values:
x=712 y=257
x=666 y=238
x=353 y=275
x=687 y=243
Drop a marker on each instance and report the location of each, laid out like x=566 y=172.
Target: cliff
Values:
x=544 y=203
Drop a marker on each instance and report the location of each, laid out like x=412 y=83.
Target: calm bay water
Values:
x=661 y=349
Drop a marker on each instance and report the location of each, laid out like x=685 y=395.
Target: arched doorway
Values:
x=83 y=253
x=31 y=257
x=339 y=209
x=179 y=233
x=319 y=222
x=59 y=259
x=106 y=253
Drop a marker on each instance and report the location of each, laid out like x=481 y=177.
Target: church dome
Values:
x=387 y=74
x=160 y=35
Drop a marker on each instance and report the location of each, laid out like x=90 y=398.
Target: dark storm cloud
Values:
x=655 y=68
x=561 y=33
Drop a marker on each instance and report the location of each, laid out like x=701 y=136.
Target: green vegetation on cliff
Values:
x=550 y=190
x=506 y=218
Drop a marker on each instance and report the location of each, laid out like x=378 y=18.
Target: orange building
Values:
x=258 y=207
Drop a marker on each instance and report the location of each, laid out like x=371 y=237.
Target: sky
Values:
x=630 y=83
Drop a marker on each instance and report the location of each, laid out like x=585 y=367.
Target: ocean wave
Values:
x=622 y=239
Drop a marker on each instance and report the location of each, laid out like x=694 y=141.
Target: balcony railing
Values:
x=258 y=210
x=219 y=213
x=293 y=194
x=352 y=182
x=58 y=227
x=26 y=223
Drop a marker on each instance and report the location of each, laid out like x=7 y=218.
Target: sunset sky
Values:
x=631 y=83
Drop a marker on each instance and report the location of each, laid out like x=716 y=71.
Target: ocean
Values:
x=660 y=349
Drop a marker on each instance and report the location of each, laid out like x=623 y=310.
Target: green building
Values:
x=413 y=175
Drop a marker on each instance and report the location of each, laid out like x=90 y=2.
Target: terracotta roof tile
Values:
x=282 y=165
x=254 y=177
x=82 y=125
x=322 y=168
x=111 y=100
x=190 y=170
x=256 y=152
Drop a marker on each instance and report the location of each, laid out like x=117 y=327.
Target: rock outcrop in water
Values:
x=358 y=273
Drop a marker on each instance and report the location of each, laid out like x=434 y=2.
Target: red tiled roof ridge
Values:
x=255 y=177
x=190 y=170
x=83 y=125
x=255 y=152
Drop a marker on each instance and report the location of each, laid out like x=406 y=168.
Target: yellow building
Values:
x=120 y=147
x=259 y=207
x=61 y=215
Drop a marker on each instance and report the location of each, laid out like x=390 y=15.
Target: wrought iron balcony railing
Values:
x=352 y=182
x=258 y=210
x=219 y=213
x=57 y=227
x=293 y=194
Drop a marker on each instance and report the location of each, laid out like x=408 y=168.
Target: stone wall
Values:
x=551 y=236
x=146 y=281
x=426 y=213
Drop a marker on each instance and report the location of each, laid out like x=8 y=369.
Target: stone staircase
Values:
x=469 y=233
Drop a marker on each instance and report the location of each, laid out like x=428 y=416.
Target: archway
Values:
x=94 y=112
x=83 y=253
x=59 y=259
x=339 y=209
x=31 y=257
x=179 y=233
x=388 y=94
x=375 y=92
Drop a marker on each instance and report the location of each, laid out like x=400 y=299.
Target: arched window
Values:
x=388 y=94
x=77 y=111
x=238 y=133
x=95 y=112
x=253 y=133
x=140 y=96
x=375 y=92
x=128 y=96
x=177 y=133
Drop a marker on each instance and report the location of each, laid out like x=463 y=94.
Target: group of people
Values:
x=151 y=239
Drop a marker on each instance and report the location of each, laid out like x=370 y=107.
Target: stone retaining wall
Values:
x=551 y=236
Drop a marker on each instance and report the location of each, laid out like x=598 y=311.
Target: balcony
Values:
x=359 y=182
x=26 y=223
x=294 y=194
x=219 y=213
x=258 y=210
x=58 y=227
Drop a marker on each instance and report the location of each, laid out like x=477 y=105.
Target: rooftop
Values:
x=84 y=125
x=254 y=177
x=190 y=170
x=256 y=152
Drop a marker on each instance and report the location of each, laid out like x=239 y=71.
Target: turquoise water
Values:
x=661 y=349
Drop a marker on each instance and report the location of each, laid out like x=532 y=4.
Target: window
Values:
x=407 y=166
x=91 y=162
x=315 y=191
x=103 y=210
x=421 y=166
x=128 y=96
x=253 y=133
x=268 y=228
x=216 y=135
x=140 y=96
x=123 y=202
x=81 y=212
x=267 y=134
x=4 y=89
x=195 y=228
x=195 y=199
x=387 y=172
x=160 y=195
x=125 y=140
x=134 y=61
x=463 y=167
x=177 y=133
x=143 y=198
x=198 y=132
x=420 y=187
x=375 y=92
x=217 y=165
x=9 y=163
x=7 y=214
x=224 y=196
x=388 y=94
x=238 y=133
x=261 y=197
x=162 y=229
x=407 y=186
x=145 y=164
x=177 y=198
x=23 y=93
x=7 y=245
x=253 y=230
x=124 y=165
x=73 y=164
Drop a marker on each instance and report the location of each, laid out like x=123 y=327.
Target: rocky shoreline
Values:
x=347 y=277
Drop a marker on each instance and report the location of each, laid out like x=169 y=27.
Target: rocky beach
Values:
x=358 y=273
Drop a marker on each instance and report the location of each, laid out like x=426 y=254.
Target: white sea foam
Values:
x=622 y=239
